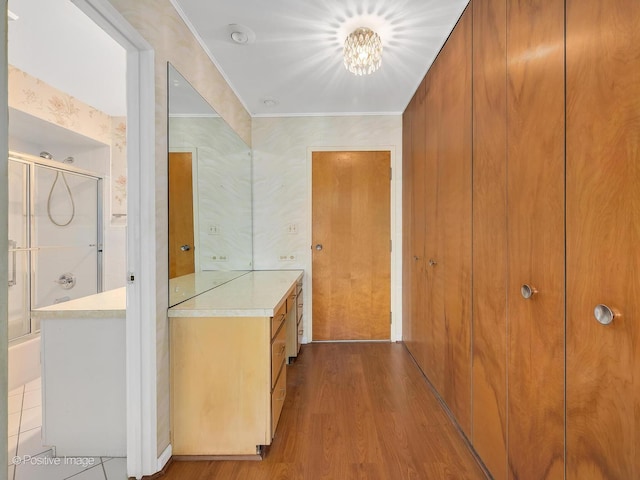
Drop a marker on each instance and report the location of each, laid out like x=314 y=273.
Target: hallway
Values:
x=353 y=411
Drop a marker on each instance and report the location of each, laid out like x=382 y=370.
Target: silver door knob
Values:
x=604 y=315
x=527 y=291
x=319 y=247
x=185 y=248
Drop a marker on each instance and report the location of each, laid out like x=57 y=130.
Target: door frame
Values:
x=396 y=237
x=141 y=369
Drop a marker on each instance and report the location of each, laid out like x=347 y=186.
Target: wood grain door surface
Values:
x=181 y=262
x=351 y=274
x=603 y=239
x=535 y=213
x=489 y=401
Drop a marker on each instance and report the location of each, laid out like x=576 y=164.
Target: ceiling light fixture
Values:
x=362 y=51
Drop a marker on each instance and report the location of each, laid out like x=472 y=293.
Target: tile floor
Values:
x=30 y=460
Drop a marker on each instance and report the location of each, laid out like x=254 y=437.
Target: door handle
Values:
x=604 y=315
x=185 y=248
x=527 y=291
x=12 y=246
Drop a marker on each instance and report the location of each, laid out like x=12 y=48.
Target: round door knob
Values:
x=319 y=247
x=185 y=248
x=604 y=315
x=527 y=291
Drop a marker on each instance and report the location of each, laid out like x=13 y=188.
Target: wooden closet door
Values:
x=603 y=238
x=417 y=332
x=407 y=225
x=535 y=215
x=448 y=227
x=490 y=235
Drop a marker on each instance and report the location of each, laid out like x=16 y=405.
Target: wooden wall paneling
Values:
x=418 y=287
x=535 y=212
x=489 y=401
x=407 y=232
x=453 y=206
x=433 y=296
x=603 y=234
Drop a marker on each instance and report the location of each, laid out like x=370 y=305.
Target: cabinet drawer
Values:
x=278 y=347
x=278 y=318
x=277 y=400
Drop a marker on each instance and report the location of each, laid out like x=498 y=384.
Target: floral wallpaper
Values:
x=39 y=99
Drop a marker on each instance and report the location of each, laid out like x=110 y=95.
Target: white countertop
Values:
x=109 y=304
x=188 y=286
x=256 y=294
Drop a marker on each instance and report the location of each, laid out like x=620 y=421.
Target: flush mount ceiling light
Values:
x=362 y=51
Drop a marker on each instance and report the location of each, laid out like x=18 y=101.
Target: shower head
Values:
x=46 y=155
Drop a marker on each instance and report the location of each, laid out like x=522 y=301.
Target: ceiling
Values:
x=295 y=62
x=56 y=42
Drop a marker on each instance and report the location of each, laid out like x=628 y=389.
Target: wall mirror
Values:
x=210 y=218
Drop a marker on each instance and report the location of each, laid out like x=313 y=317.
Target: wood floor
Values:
x=353 y=411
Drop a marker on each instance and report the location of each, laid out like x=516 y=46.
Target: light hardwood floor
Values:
x=353 y=411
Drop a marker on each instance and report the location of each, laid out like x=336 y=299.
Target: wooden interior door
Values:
x=603 y=238
x=489 y=400
x=351 y=232
x=181 y=248
x=535 y=206
x=452 y=270
x=419 y=302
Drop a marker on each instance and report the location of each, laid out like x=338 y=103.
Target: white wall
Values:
x=281 y=189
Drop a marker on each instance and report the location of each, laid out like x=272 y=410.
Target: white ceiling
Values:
x=54 y=41
x=296 y=58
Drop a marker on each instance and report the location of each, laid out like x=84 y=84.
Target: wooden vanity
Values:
x=228 y=372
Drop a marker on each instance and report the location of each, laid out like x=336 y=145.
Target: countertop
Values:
x=188 y=286
x=109 y=304
x=257 y=294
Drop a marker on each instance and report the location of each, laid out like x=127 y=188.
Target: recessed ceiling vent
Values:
x=241 y=34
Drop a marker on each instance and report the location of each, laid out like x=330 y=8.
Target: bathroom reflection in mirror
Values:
x=210 y=220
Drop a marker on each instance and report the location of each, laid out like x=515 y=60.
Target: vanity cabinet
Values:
x=228 y=372
x=295 y=328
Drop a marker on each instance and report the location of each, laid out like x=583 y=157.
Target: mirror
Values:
x=210 y=218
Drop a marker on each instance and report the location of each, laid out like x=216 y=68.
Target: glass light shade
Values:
x=362 y=51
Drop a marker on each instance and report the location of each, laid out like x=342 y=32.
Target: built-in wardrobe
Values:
x=521 y=268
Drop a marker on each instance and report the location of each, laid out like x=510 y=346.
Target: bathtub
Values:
x=24 y=362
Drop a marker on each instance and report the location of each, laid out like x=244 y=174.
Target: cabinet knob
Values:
x=527 y=291
x=319 y=246
x=604 y=315
x=185 y=248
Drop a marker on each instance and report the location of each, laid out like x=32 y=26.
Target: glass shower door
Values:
x=19 y=294
x=65 y=236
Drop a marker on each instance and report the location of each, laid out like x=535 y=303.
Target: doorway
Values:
x=351 y=245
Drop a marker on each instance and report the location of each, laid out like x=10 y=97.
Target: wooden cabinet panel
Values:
x=417 y=333
x=603 y=234
x=407 y=219
x=451 y=265
x=535 y=212
x=489 y=402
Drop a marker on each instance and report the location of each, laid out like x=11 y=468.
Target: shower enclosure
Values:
x=55 y=236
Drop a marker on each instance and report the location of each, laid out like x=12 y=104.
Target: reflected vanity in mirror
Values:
x=210 y=219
